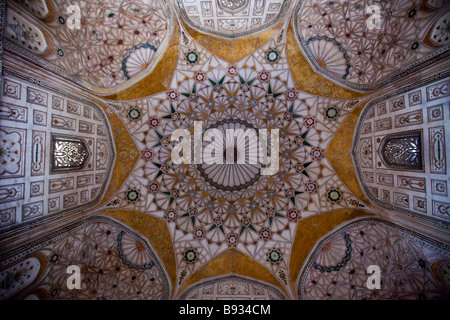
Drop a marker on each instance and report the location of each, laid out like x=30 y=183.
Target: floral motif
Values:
x=272 y=56
x=134 y=113
x=192 y=57
x=274 y=256
x=132 y=195
x=190 y=255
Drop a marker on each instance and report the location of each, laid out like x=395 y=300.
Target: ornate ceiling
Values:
x=232 y=19
x=87 y=116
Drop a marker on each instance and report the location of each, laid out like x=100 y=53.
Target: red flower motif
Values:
x=173 y=95
x=265 y=234
x=147 y=154
x=153 y=123
x=293 y=215
x=153 y=187
x=232 y=240
x=199 y=233
x=317 y=153
x=309 y=122
x=264 y=76
x=200 y=77
x=291 y=94
x=232 y=71
x=311 y=186
x=170 y=215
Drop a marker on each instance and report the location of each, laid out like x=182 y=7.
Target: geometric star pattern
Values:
x=259 y=215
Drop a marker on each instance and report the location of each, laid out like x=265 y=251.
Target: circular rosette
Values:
x=234 y=164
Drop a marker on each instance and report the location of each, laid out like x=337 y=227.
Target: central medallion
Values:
x=238 y=173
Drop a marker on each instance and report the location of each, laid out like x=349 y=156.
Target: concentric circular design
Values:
x=233 y=176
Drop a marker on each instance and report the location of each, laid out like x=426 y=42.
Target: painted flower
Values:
x=245 y=87
x=264 y=76
x=332 y=113
x=245 y=222
x=293 y=215
x=147 y=154
x=232 y=71
x=270 y=212
x=199 y=233
x=192 y=212
x=309 y=122
x=164 y=168
x=218 y=88
x=288 y=116
x=134 y=113
x=299 y=167
x=272 y=56
x=173 y=95
x=175 y=116
x=192 y=57
x=274 y=256
x=291 y=94
x=200 y=77
x=299 y=140
x=317 y=153
x=193 y=97
x=265 y=234
x=290 y=193
x=286 y=154
x=311 y=186
x=153 y=187
x=153 y=122
x=170 y=215
x=334 y=195
x=231 y=209
x=232 y=240
x=218 y=221
x=165 y=141
x=190 y=255
x=132 y=195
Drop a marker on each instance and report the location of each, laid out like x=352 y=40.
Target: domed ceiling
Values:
x=306 y=224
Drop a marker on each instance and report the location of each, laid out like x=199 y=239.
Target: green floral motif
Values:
x=190 y=256
x=60 y=52
x=272 y=56
x=334 y=195
x=134 y=114
x=274 y=256
x=132 y=195
x=192 y=57
x=332 y=113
